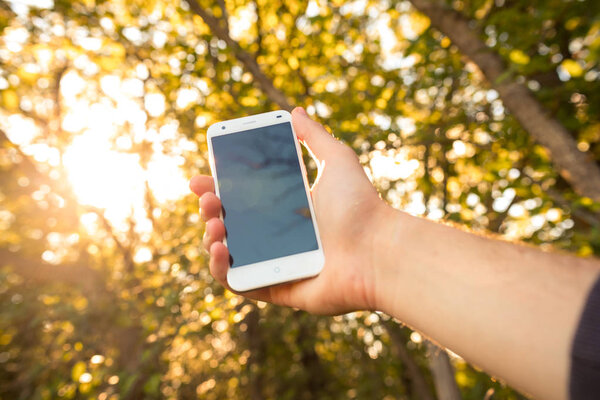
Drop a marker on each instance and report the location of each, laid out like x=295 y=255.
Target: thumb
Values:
x=313 y=134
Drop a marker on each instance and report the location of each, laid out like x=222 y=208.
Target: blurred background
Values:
x=481 y=112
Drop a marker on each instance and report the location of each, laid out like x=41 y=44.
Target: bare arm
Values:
x=507 y=308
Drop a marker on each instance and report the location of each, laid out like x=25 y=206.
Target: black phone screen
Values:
x=266 y=210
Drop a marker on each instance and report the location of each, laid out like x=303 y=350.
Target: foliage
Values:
x=101 y=305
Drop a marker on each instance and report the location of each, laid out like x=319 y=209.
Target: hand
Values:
x=348 y=211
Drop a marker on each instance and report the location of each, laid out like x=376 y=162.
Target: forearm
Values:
x=507 y=308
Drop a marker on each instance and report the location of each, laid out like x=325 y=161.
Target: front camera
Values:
x=223 y=127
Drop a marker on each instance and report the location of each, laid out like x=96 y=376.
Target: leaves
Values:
x=149 y=77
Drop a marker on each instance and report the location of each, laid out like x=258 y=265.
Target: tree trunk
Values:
x=316 y=376
x=575 y=167
x=418 y=382
x=256 y=360
x=442 y=372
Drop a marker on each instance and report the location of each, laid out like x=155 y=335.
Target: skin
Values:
x=507 y=308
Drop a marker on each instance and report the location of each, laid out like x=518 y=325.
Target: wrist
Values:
x=389 y=254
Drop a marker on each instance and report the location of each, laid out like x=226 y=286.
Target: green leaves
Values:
x=378 y=75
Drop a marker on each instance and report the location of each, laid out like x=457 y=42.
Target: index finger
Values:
x=201 y=184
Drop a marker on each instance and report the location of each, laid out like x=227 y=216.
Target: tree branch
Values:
x=247 y=60
x=259 y=32
x=418 y=383
x=224 y=14
x=582 y=173
x=125 y=250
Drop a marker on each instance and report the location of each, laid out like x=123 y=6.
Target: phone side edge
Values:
x=307 y=190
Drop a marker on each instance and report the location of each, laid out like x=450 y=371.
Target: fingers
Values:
x=210 y=206
x=315 y=137
x=204 y=187
x=202 y=184
x=214 y=232
x=219 y=262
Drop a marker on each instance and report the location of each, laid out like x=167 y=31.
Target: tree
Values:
x=104 y=289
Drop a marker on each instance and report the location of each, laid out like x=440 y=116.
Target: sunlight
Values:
x=115 y=181
x=102 y=177
x=102 y=170
x=392 y=165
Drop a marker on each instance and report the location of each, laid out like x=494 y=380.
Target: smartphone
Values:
x=272 y=232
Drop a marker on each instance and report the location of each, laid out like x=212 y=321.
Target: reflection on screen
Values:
x=261 y=188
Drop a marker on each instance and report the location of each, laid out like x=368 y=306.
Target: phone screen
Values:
x=266 y=209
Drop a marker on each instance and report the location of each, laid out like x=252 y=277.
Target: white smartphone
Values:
x=272 y=232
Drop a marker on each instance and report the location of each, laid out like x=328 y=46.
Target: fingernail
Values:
x=302 y=111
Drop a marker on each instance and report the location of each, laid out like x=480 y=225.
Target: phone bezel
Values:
x=277 y=270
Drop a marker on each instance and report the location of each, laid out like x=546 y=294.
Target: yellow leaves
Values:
x=287 y=19
x=10 y=100
x=467 y=214
x=586 y=201
x=361 y=83
x=589 y=134
x=293 y=62
x=381 y=103
x=271 y=59
x=270 y=21
x=435 y=116
x=387 y=93
x=278 y=81
x=572 y=23
x=585 y=251
x=295 y=6
x=108 y=63
x=463 y=379
x=327 y=38
x=572 y=67
x=417 y=58
x=329 y=52
x=394 y=14
x=350 y=125
x=319 y=86
x=27 y=75
x=80 y=303
x=49 y=300
x=249 y=101
x=113 y=55
x=77 y=370
x=455 y=132
x=453 y=185
x=419 y=23
x=199 y=25
x=114 y=49
x=519 y=57
x=280 y=69
x=6 y=338
x=484 y=10
x=218 y=100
